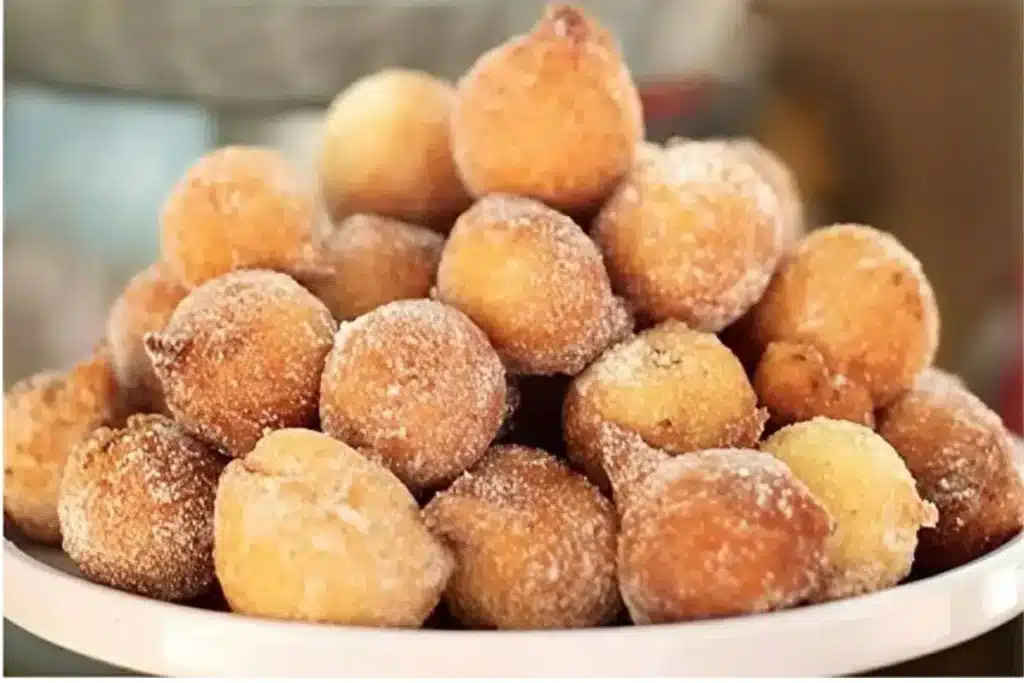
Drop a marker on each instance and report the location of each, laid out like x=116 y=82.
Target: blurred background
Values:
x=904 y=114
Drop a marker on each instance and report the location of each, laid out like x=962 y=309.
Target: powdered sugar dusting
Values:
x=136 y=509
x=534 y=542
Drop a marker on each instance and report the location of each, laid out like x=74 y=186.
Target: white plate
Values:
x=45 y=596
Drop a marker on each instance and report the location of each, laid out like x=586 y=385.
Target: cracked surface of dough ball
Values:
x=240 y=208
x=145 y=306
x=242 y=354
x=136 y=509
x=869 y=492
x=693 y=234
x=552 y=114
x=797 y=382
x=371 y=261
x=718 y=533
x=678 y=389
x=858 y=297
x=963 y=460
x=417 y=383
x=534 y=544
x=308 y=529
x=534 y=283
x=387 y=149
x=45 y=417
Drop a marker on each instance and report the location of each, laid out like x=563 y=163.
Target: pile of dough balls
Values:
x=497 y=361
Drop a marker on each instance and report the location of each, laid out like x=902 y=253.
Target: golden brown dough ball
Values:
x=534 y=283
x=963 y=460
x=534 y=544
x=136 y=509
x=692 y=234
x=552 y=114
x=679 y=389
x=240 y=208
x=145 y=306
x=869 y=492
x=387 y=149
x=308 y=529
x=417 y=383
x=371 y=260
x=719 y=533
x=45 y=416
x=243 y=354
x=797 y=382
x=860 y=299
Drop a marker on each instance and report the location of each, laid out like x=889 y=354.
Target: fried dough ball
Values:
x=860 y=299
x=797 y=382
x=239 y=208
x=534 y=283
x=679 y=389
x=387 y=149
x=45 y=416
x=417 y=383
x=552 y=114
x=242 y=354
x=308 y=529
x=963 y=460
x=372 y=260
x=692 y=234
x=716 y=533
x=867 y=489
x=145 y=306
x=534 y=544
x=136 y=509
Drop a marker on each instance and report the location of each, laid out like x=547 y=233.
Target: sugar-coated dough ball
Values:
x=534 y=544
x=136 y=509
x=719 y=533
x=870 y=493
x=145 y=306
x=963 y=460
x=417 y=383
x=387 y=149
x=240 y=208
x=552 y=114
x=797 y=382
x=860 y=298
x=679 y=389
x=369 y=261
x=243 y=354
x=693 y=233
x=534 y=283
x=45 y=416
x=308 y=529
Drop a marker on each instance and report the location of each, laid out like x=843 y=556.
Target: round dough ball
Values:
x=240 y=208
x=416 y=383
x=308 y=529
x=136 y=509
x=145 y=306
x=678 y=389
x=796 y=381
x=860 y=298
x=719 y=533
x=45 y=416
x=692 y=234
x=534 y=544
x=552 y=114
x=534 y=283
x=387 y=150
x=867 y=489
x=242 y=354
x=963 y=460
x=371 y=261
